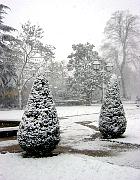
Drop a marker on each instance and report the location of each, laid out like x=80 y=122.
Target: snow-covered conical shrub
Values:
x=39 y=131
x=112 y=121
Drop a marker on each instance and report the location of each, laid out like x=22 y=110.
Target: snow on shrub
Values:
x=112 y=121
x=39 y=131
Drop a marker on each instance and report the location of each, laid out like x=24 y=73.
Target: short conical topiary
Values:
x=112 y=121
x=39 y=131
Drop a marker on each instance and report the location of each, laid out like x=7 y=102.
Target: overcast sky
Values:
x=66 y=22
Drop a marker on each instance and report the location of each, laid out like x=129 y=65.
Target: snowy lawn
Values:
x=79 y=133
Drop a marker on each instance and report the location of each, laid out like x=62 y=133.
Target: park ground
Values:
x=81 y=154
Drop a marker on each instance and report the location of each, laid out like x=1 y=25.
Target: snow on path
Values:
x=129 y=158
x=62 y=167
x=73 y=132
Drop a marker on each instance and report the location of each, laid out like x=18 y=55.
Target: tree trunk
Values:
x=122 y=72
x=20 y=97
x=123 y=86
x=88 y=98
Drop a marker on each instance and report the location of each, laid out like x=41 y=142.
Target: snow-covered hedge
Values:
x=112 y=121
x=39 y=131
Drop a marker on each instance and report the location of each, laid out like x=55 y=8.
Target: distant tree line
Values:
x=23 y=55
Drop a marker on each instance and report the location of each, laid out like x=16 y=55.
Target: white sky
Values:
x=66 y=22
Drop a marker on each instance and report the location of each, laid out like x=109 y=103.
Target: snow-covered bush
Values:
x=39 y=131
x=112 y=121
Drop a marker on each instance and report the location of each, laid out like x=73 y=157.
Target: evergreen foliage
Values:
x=39 y=132
x=4 y=31
x=112 y=121
x=7 y=67
x=85 y=79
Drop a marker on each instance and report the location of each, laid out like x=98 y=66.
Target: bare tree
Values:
x=30 y=54
x=121 y=43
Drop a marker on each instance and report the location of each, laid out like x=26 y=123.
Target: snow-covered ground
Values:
x=78 y=126
x=11 y=115
x=62 y=167
x=62 y=112
x=131 y=135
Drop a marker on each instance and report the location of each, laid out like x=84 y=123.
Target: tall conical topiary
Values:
x=39 y=131
x=112 y=121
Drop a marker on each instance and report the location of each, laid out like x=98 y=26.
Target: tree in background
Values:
x=112 y=121
x=5 y=31
x=30 y=55
x=56 y=73
x=7 y=67
x=122 y=42
x=39 y=132
x=84 y=79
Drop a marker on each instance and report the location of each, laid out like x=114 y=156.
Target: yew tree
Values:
x=112 y=121
x=39 y=131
